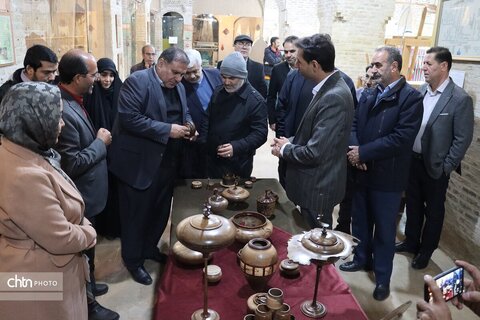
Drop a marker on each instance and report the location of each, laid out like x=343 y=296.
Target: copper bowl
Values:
x=250 y=225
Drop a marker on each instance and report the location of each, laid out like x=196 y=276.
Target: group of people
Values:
x=405 y=140
x=401 y=140
x=94 y=146
x=54 y=179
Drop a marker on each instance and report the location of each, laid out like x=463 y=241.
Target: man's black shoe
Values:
x=381 y=292
x=97 y=312
x=158 y=257
x=403 y=247
x=420 y=261
x=99 y=289
x=353 y=266
x=141 y=275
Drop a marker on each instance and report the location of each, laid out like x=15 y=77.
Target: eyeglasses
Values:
x=95 y=75
x=243 y=44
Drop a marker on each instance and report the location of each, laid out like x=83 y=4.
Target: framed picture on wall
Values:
x=458 y=28
x=7 y=52
x=5 y=5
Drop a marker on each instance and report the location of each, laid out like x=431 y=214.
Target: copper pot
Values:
x=258 y=261
x=250 y=225
x=206 y=232
x=217 y=202
x=235 y=194
x=187 y=256
x=228 y=180
x=191 y=129
x=289 y=268
x=266 y=203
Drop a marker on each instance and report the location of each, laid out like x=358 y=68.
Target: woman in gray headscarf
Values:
x=42 y=228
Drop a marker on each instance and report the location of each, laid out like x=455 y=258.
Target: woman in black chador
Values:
x=101 y=106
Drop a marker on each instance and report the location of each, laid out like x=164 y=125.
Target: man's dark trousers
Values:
x=425 y=200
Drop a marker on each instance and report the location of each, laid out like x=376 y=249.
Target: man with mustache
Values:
x=84 y=154
x=444 y=137
x=384 y=128
x=237 y=122
x=148 y=61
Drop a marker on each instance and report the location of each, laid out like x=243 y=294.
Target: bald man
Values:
x=84 y=154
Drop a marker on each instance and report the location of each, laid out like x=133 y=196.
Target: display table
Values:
x=180 y=290
x=188 y=202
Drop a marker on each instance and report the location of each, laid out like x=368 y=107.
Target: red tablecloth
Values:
x=180 y=290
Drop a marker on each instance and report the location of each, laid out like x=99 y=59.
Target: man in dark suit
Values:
x=278 y=75
x=199 y=85
x=386 y=122
x=315 y=156
x=444 y=137
x=256 y=75
x=84 y=153
x=148 y=59
x=151 y=124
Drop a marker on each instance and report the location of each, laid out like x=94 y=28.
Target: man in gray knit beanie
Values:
x=237 y=122
x=234 y=72
x=234 y=65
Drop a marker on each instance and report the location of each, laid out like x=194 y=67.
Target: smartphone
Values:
x=450 y=283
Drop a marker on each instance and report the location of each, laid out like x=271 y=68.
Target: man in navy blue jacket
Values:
x=386 y=122
x=278 y=77
x=151 y=126
x=199 y=85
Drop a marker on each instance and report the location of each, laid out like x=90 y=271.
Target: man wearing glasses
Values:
x=278 y=76
x=148 y=59
x=83 y=154
x=256 y=75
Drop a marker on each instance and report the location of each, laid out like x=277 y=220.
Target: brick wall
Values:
x=356 y=29
x=302 y=17
x=272 y=20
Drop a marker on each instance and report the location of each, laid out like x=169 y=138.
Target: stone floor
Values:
x=134 y=301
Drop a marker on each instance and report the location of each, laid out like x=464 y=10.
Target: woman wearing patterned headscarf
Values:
x=42 y=228
x=101 y=106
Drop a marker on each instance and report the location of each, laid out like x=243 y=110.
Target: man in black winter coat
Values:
x=237 y=122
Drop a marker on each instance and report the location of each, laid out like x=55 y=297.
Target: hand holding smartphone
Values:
x=450 y=283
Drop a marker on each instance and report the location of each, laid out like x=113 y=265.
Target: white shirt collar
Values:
x=319 y=86
x=440 y=88
x=24 y=77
